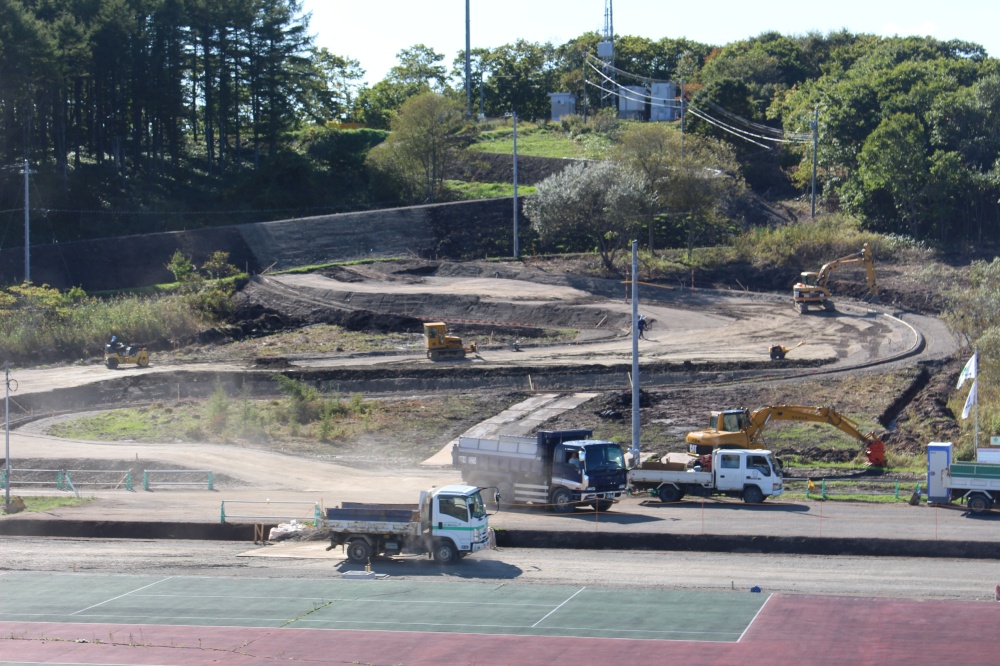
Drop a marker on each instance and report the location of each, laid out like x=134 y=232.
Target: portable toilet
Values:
x=938 y=460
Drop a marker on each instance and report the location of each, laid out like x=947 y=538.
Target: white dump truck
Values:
x=975 y=483
x=449 y=523
x=752 y=474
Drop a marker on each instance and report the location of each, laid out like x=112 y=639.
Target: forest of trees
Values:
x=146 y=115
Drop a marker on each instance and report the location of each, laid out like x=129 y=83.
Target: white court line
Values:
x=327 y=600
x=558 y=607
x=759 y=611
x=119 y=596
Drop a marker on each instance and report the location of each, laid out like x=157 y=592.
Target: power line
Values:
x=772 y=134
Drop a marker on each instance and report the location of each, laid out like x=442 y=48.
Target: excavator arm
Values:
x=812 y=289
x=863 y=257
x=752 y=427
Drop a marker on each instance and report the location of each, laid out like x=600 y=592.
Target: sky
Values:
x=374 y=33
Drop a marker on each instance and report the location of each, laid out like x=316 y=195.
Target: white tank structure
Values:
x=664 y=105
x=632 y=102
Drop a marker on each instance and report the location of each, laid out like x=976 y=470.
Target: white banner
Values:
x=971 y=400
x=969 y=371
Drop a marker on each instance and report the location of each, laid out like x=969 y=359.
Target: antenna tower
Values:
x=606 y=52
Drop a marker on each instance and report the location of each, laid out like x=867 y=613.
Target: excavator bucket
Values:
x=876 y=453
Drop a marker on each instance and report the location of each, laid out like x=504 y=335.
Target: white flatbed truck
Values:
x=975 y=483
x=448 y=523
x=751 y=474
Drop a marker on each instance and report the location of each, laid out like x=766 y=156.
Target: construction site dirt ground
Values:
x=706 y=349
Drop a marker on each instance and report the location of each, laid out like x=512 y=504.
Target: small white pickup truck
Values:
x=752 y=474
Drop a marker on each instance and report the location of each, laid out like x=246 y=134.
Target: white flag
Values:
x=971 y=400
x=969 y=371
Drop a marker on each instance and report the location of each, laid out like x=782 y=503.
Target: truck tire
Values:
x=359 y=551
x=562 y=501
x=753 y=495
x=669 y=494
x=603 y=506
x=111 y=363
x=445 y=552
x=980 y=503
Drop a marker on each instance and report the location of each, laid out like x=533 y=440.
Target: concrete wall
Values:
x=441 y=230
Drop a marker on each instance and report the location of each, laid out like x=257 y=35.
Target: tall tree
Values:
x=426 y=135
x=694 y=179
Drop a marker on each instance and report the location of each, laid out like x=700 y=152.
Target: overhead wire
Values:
x=776 y=135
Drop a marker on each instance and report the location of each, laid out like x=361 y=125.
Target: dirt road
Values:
x=696 y=326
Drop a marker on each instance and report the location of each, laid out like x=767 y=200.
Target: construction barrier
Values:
x=181 y=477
x=852 y=489
x=311 y=511
x=63 y=479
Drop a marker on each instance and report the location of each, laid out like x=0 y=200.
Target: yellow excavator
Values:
x=441 y=346
x=812 y=289
x=741 y=428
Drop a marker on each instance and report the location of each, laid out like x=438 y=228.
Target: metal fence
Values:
x=268 y=511
x=177 y=477
x=67 y=480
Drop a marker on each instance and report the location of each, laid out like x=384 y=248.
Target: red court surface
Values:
x=781 y=629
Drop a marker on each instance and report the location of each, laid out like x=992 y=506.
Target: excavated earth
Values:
x=706 y=349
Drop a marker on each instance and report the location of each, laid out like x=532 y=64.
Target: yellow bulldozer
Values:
x=443 y=347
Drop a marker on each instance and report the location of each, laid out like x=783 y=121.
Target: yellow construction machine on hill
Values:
x=812 y=289
x=441 y=346
x=741 y=429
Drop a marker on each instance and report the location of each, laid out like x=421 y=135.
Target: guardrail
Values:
x=313 y=513
x=63 y=479
x=147 y=473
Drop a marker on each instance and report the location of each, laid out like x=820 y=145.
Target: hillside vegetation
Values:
x=99 y=99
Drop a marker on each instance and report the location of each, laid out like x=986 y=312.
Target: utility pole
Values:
x=683 y=106
x=514 y=116
x=815 y=129
x=6 y=476
x=635 y=352
x=27 y=227
x=468 y=66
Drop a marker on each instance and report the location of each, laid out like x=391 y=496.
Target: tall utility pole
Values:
x=514 y=116
x=27 y=227
x=468 y=65
x=6 y=476
x=815 y=129
x=635 y=352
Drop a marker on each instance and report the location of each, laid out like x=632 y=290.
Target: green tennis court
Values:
x=380 y=605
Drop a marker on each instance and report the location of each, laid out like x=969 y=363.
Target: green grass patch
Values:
x=543 y=143
x=468 y=191
x=304 y=421
x=46 y=503
x=846 y=497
